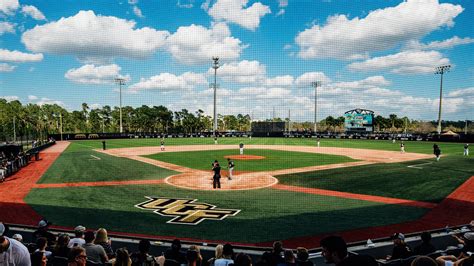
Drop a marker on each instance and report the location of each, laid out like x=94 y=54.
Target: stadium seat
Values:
x=59 y=261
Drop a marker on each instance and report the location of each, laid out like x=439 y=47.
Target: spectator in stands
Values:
x=13 y=252
x=95 y=253
x=38 y=258
x=142 y=258
x=302 y=257
x=217 y=254
x=400 y=249
x=265 y=259
x=77 y=257
x=78 y=239
x=243 y=259
x=227 y=256
x=191 y=257
x=61 y=248
x=42 y=244
x=2 y=229
x=289 y=258
x=277 y=253
x=42 y=231
x=423 y=261
x=425 y=247
x=453 y=261
x=334 y=250
x=467 y=240
x=101 y=238
x=175 y=253
x=199 y=256
x=122 y=258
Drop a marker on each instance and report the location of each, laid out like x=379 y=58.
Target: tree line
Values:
x=37 y=121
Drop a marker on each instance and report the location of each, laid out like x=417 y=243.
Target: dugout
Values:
x=8 y=149
x=268 y=129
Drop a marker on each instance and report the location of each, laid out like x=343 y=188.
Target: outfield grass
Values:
x=410 y=146
x=78 y=163
x=265 y=215
x=432 y=183
x=274 y=159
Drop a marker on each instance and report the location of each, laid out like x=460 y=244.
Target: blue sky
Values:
x=379 y=55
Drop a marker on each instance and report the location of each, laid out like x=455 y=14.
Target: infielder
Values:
x=466 y=149
x=230 y=166
x=162 y=144
x=241 y=147
x=215 y=140
x=436 y=151
x=402 y=147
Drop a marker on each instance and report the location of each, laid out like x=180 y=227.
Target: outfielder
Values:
x=466 y=149
x=162 y=144
x=230 y=167
x=241 y=147
x=402 y=147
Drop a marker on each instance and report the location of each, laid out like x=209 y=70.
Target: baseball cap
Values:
x=398 y=236
x=2 y=229
x=17 y=237
x=79 y=228
x=43 y=223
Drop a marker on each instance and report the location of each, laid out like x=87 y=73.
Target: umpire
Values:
x=216 y=183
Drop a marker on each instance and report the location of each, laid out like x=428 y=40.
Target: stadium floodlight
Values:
x=120 y=82
x=316 y=84
x=440 y=71
x=215 y=66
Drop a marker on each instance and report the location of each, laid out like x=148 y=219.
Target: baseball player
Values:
x=436 y=151
x=162 y=144
x=318 y=142
x=230 y=167
x=215 y=140
x=241 y=147
x=216 y=179
x=402 y=147
x=466 y=149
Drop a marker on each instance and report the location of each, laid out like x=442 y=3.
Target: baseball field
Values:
x=282 y=189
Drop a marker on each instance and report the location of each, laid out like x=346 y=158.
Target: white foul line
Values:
x=416 y=165
x=95 y=157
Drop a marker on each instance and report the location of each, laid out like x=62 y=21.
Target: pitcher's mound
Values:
x=244 y=157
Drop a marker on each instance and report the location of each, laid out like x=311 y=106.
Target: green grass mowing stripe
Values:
x=78 y=163
x=274 y=159
x=265 y=215
x=410 y=146
x=432 y=183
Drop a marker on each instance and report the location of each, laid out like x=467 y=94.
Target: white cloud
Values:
x=33 y=12
x=6 y=27
x=133 y=2
x=381 y=29
x=196 y=44
x=280 y=81
x=308 y=77
x=95 y=106
x=4 y=67
x=91 y=74
x=45 y=100
x=282 y=4
x=10 y=98
x=446 y=44
x=370 y=82
x=138 y=12
x=19 y=57
x=241 y=72
x=183 y=5
x=235 y=11
x=407 y=62
x=8 y=7
x=94 y=38
x=32 y=97
x=170 y=82
x=468 y=92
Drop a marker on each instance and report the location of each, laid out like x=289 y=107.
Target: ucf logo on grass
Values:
x=185 y=211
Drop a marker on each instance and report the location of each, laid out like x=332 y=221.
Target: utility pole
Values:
x=215 y=66
x=289 y=120
x=61 y=125
x=120 y=82
x=14 y=130
x=465 y=128
x=440 y=71
x=316 y=84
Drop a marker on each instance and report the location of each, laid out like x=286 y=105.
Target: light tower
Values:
x=215 y=66
x=441 y=70
x=316 y=84
x=120 y=82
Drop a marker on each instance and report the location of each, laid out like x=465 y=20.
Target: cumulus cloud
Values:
x=235 y=11
x=4 y=67
x=19 y=57
x=382 y=29
x=45 y=100
x=32 y=97
x=8 y=7
x=436 y=45
x=406 y=62
x=185 y=5
x=241 y=72
x=282 y=4
x=370 y=82
x=468 y=92
x=94 y=38
x=280 y=81
x=91 y=74
x=10 y=98
x=170 y=82
x=138 y=12
x=307 y=78
x=6 y=27
x=33 y=12
x=196 y=44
